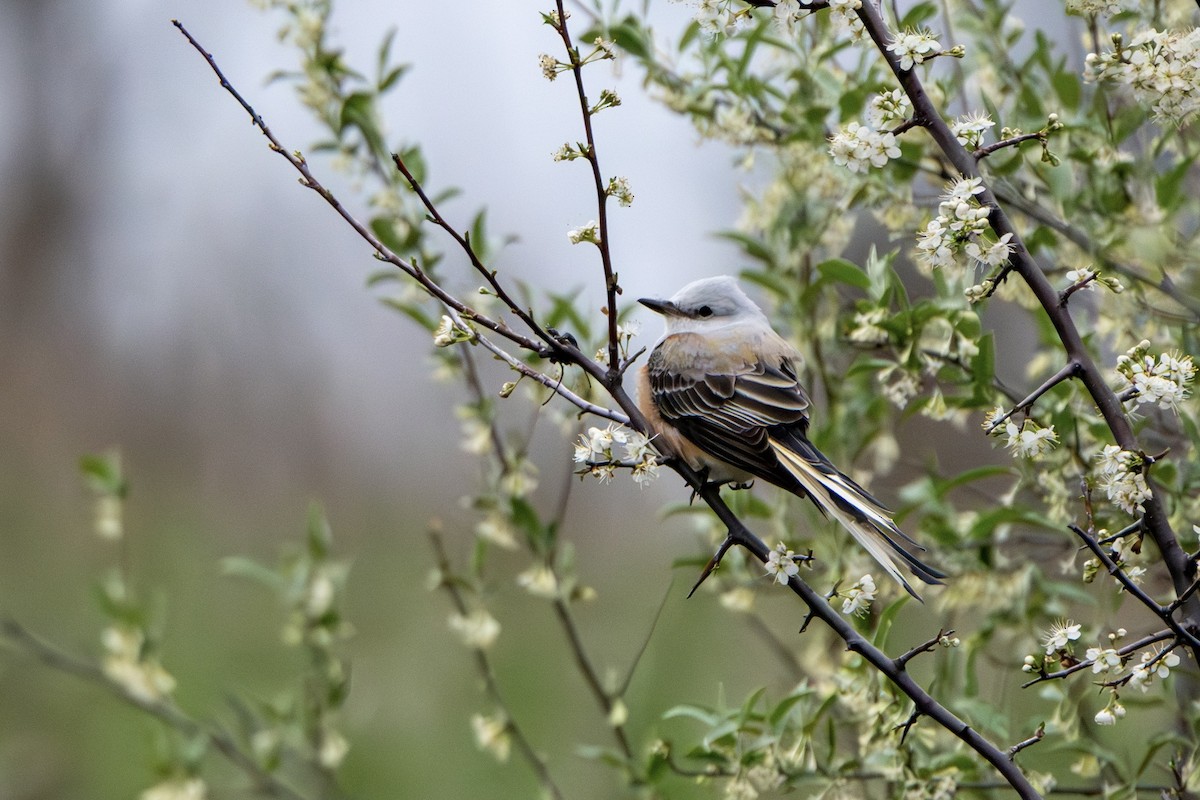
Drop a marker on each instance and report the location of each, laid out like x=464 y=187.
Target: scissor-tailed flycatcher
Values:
x=721 y=389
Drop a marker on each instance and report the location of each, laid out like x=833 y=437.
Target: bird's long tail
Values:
x=851 y=505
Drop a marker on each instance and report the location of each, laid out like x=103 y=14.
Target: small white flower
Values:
x=1105 y=716
x=177 y=789
x=549 y=65
x=126 y=665
x=781 y=564
x=645 y=473
x=333 y=750
x=859 y=597
x=494 y=528
x=1104 y=660
x=540 y=581
x=619 y=188
x=1086 y=276
x=588 y=232
x=491 y=735
x=866 y=328
x=969 y=128
x=478 y=630
x=1061 y=635
x=888 y=109
x=1029 y=440
x=520 y=479
x=450 y=332
x=786 y=14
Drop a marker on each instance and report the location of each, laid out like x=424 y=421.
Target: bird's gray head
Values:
x=708 y=302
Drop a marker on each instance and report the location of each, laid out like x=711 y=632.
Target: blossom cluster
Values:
x=914 y=47
x=969 y=129
x=127 y=664
x=717 y=17
x=1163 y=380
x=1162 y=68
x=597 y=450
x=888 y=109
x=1153 y=665
x=1120 y=475
x=858 y=147
x=959 y=228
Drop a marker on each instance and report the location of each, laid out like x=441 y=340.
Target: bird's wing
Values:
x=724 y=402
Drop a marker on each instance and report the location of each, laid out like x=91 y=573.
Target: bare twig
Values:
x=1032 y=740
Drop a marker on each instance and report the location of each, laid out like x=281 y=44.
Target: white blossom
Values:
x=127 y=665
x=1119 y=474
x=1154 y=665
x=888 y=109
x=1164 y=380
x=843 y=13
x=1029 y=440
x=540 y=581
x=491 y=734
x=177 y=789
x=913 y=47
x=859 y=597
x=781 y=564
x=1110 y=714
x=1061 y=635
x=1104 y=660
x=969 y=128
x=588 y=232
x=619 y=188
x=1081 y=8
x=478 y=630
x=859 y=147
x=1162 y=68
x=866 y=327
x=549 y=65
x=786 y=14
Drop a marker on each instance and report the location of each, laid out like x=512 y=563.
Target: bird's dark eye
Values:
x=704 y=311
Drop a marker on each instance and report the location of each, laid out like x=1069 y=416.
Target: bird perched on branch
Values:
x=721 y=389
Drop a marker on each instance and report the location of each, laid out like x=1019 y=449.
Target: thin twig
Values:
x=927 y=646
x=1038 y=735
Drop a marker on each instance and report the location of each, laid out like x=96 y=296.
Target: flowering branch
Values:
x=1183 y=631
x=1181 y=568
x=611 y=288
x=484 y=665
x=1132 y=647
x=18 y=637
x=1070 y=370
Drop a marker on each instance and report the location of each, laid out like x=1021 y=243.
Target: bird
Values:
x=721 y=390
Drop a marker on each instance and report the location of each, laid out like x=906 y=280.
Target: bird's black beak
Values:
x=659 y=306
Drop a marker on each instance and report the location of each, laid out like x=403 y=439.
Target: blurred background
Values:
x=167 y=289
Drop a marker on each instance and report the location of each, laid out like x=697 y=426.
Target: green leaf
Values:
x=103 y=473
x=358 y=111
x=241 y=567
x=319 y=534
x=843 y=271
